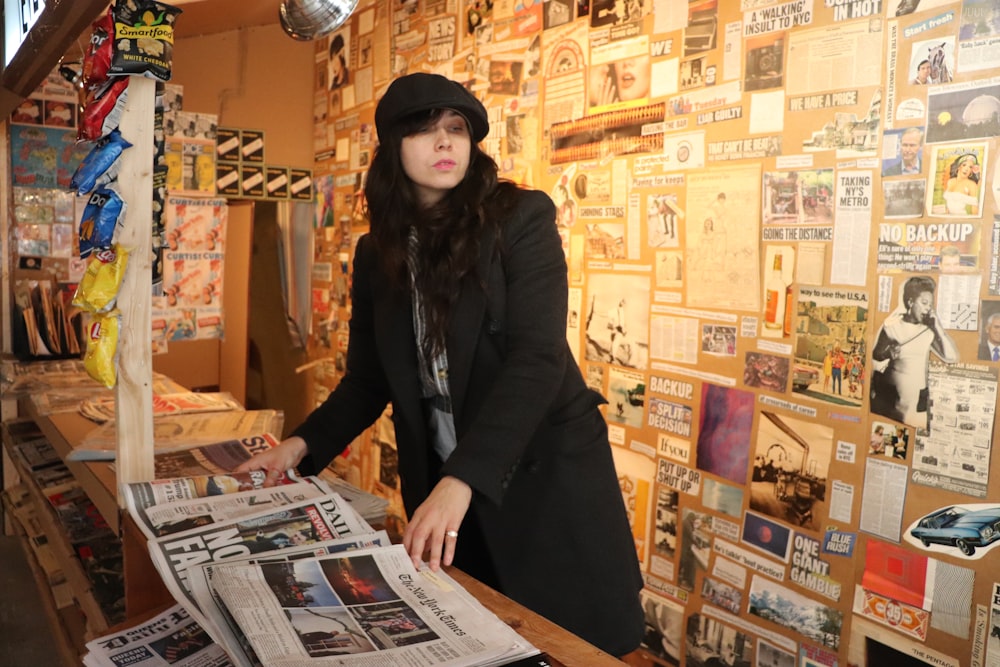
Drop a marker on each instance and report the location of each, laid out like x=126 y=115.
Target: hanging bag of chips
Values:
x=144 y=39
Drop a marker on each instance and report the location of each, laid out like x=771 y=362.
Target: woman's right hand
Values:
x=275 y=461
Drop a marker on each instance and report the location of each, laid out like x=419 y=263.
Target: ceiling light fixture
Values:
x=309 y=19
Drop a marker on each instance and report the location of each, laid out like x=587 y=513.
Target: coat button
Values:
x=533 y=467
x=492 y=326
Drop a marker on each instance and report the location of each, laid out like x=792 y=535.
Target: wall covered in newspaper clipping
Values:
x=798 y=203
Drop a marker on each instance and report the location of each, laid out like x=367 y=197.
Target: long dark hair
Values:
x=449 y=234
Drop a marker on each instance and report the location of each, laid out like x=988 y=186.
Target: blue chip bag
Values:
x=104 y=212
x=101 y=164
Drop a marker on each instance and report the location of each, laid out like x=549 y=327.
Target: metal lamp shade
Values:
x=309 y=19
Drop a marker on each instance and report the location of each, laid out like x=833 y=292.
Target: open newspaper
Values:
x=364 y=608
x=221 y=625
x=168 y=518
x=171 y=639
x=182 y=431
x=306 y=522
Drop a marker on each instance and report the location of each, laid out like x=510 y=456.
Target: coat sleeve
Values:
x=522 y=392
x=362 y=393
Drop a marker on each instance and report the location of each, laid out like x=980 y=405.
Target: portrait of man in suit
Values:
x=989 y=346
x=911 y=143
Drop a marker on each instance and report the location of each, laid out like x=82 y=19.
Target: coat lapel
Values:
x=465 y=326
x=398 y=351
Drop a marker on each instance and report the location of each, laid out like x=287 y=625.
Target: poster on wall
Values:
x=193 y=267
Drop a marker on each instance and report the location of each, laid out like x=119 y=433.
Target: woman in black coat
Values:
x=459 y=308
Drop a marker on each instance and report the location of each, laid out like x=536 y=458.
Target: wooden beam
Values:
x=58 y=27
x=134 y=404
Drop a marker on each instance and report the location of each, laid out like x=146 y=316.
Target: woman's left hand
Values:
x=434 y=527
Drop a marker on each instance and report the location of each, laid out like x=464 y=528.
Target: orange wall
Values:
x=254 y=78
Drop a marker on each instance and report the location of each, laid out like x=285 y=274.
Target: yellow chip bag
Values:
x=101 y=358
x=99 y=286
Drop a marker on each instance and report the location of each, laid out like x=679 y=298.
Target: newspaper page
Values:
x=954 y=453
x=182 y=431
x=882 y=499
x=180 y=515
x=171 y=639
x=834 y=58
x=297 y=524
x=993 y=644
x=211 y=460
x=101 y=409
x=221 y=625
x=366 y=607
x=372 y=508
x=160 y=491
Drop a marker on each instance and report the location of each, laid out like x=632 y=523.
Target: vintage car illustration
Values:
x=959 y=527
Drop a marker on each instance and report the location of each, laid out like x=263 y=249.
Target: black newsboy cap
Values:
x=421 y=91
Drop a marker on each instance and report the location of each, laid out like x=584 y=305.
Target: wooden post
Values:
x=134 y=404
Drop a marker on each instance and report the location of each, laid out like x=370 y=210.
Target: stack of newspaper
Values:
x=291 y=576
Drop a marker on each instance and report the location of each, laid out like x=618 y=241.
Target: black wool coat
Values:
x=532 y=442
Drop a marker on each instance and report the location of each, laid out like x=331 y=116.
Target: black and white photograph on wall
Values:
x=693 y=73
x=709 y=642
x=696 y=547
x=665 y=526
x=904 y=199
x=663 y=217
x=338 y=73
x=556 y=13
x=564 y=201
x=617 y=12
x=718 y=340
x=616 y=325
x=901 y=354
x=505 y=77
x=663 y=637
x=769 y=655
x=605 y=240
x=702 y=31
x=765 y=63
x=791 y=464
x=514 y=134
x=594 y=377
x=626 y=397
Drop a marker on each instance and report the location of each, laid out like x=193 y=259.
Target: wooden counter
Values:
x=146 y=593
